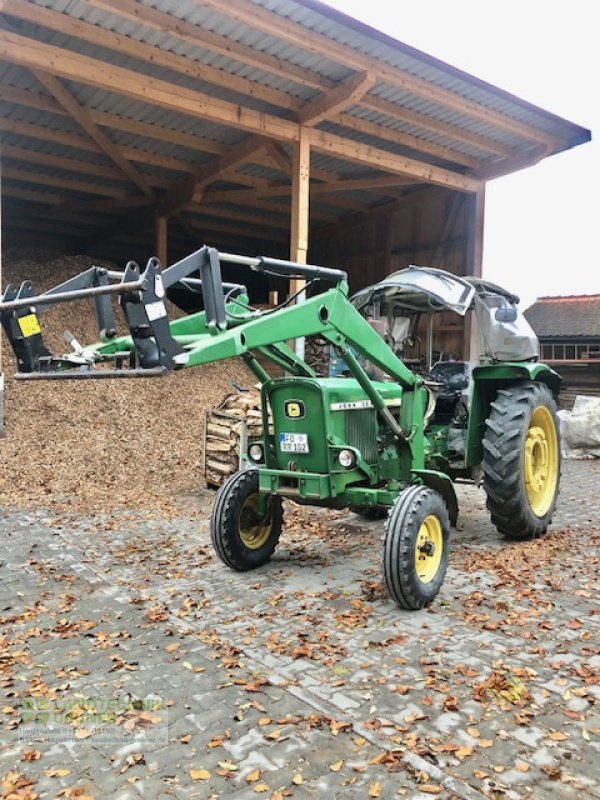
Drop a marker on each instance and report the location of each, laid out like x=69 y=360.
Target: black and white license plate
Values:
x=293 y=443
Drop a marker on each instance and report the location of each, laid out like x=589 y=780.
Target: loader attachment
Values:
x=150 y=350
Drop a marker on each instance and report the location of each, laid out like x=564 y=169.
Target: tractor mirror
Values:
x=506 y=314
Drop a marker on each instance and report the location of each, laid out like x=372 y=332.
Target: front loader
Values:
x=370 y=441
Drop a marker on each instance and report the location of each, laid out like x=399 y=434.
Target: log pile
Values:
x=229 y=428
x=316 y=354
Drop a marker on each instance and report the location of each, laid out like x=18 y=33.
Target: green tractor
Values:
x=382 y=440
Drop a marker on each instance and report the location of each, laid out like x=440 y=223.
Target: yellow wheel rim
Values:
x=541 y=461
x=429 y=549
x=254 y=529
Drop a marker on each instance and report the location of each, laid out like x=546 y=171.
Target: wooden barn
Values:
x=280 y=127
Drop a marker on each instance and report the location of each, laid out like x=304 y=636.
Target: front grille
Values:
x=361 y=432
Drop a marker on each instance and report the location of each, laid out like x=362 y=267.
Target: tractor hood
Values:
x=423 y=289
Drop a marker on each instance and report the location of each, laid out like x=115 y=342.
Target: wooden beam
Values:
x=164 y=22
x=71 y=184
x=48 y=134
x=68 y=102
x=318 y=44
x=335 y=100
x=160 y=239
x=104 y=206
x=197 y=35
x=182 y=192
x=51 y=160
x=281 y=222
x=406 y=140
x=94 y=72
x=475 y=210
x=524 y=160
x=316 y=188
x=427 y=123
x=193 y=142
x=251 y=231
x=389 y=162
x=94 y=34
x=32 y=195
x=300 y=205
x=279 y=156
x=36 y=55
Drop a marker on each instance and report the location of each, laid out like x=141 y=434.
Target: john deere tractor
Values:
x=378 y=440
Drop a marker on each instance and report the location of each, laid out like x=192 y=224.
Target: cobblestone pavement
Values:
x=302 y=679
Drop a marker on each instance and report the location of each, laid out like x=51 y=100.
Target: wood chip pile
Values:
x=95 y=445
x=229 y=427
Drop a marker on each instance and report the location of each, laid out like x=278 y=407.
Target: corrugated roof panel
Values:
x=373 y=43
x=318 y=62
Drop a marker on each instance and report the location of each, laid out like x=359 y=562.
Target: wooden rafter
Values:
x=71 y=26
x=36 y=55
x=182 y=192
x=70 y=184
x=406 y=140
x=316 y=188
x=312 y=41
x=412 y=117
x=163 y=22
x=335 y=100
x=68 y=102
x=50 y=160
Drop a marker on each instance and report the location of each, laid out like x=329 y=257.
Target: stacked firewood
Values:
x=316 y=354
x=229 y=427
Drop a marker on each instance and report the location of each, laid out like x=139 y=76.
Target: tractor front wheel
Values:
x=244 y=527
x=416 y=544
x=521 y=460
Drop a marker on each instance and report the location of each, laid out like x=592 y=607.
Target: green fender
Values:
x=443 y=485
x=487 y=379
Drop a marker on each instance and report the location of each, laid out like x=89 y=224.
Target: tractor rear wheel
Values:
x=521 y=460
x=244 y=535
x=415 y=550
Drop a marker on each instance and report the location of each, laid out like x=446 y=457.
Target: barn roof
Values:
x=574 y=316
x=113 y=105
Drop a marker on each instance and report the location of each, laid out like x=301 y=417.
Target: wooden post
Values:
x=475 y=208
x=300 y=214
x=160 y=239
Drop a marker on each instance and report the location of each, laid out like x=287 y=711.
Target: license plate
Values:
x=293 y=443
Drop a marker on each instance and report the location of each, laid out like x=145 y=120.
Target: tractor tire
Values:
x=243 y=539
x=416 y=547
x=521 y=460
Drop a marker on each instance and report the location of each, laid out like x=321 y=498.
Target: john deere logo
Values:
x=294 y=409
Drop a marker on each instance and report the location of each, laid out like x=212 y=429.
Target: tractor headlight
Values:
x=347 y=459
x=256 y=453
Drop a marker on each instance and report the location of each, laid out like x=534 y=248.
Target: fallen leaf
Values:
x=430 y=788
x=298 y=780
x=557 y=736
x=375 y=789
x=260 y=787
x=199 y=774
x=253 y=776
x=337 y=766
x=521 y=766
